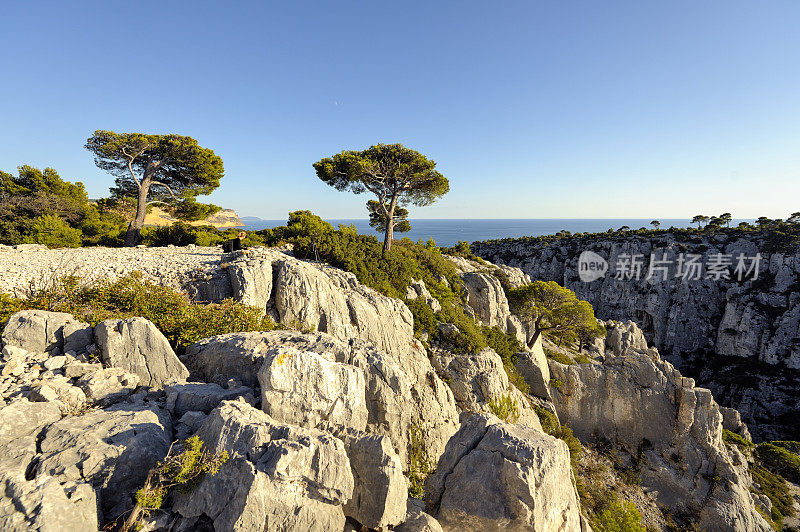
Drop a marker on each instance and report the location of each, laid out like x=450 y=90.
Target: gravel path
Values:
x=31 y=265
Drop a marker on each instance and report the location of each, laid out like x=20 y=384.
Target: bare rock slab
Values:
x=137 y=346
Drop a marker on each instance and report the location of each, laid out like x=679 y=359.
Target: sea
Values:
x=449 y=232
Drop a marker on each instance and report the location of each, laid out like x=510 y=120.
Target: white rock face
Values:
x=533 y=367
x=622 y=336
x=495 y=476
x=644 y=406
x=46 y=504
x=698 y=325
x=138 y=347
x=487 y=299
x=478 y=379
x=111 y=449
x=108 y=385
x=43 y=331
x=380 y=490
x=305 y=388
x=279 y=477
x=21 y=424
x=399 y=389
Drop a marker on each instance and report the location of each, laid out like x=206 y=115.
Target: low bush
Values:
x=505 y=408
x=776 y=488
x=181 y=470
x=731 y=438
x=420 y=464
x=779 y=460
x=618 y=516
x=558 y=356
x=582 y=359
x=180 y=320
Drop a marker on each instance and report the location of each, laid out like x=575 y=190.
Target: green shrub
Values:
x=731 y=438
x=582 y=359
x=505 y=408
x=420 y=465
x=776 y=488
x=181 y=470
x=558 y=356
x=556 y=383
x=53 y=232
x=779 y=460
x=618 y=516
x=180 y=320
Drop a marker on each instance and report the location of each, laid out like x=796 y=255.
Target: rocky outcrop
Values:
x=417 y=289
x=137 y=346
x=487 y=299
x=279 y=477
x=306 y=389
x=533 y=367
x=380 y=489
x=52 y=332
x=318 y=297
x=399 y=389
x=736 y=338
x=496 y=476
x=46 y=504
x=477 y=380
x=623 y=336
x=670 y=430
x=417 y=520
x=111 y=449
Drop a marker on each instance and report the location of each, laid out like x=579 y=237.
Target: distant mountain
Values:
x=252 y=219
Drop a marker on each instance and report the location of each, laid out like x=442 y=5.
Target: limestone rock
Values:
x=279 y=477
x=21 y=422
x=400 y=389
x=251 y=281
x=645 y=407
x=487 y=299
x=137 y=346
x=202 y=397
x=533 y=367
x=43 y=331
x=478 y=379
x=108 y=385
x=622 y=336
x=46 y=504
x=111 y=449
x=417 y=520
x=380 y=491
x=495 y=476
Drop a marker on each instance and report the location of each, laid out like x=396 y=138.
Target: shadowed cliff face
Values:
x=740 y=338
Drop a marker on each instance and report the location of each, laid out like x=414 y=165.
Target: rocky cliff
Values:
x=740 y=338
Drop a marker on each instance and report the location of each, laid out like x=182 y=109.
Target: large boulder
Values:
x=317 y=297
x=478 y=380
x=306 y=389
x=417 y=520
x=112 y=449
x=647 y=410
x=496 y=476
x=417 y=289
x=137 y=346
x=279 y=477
x=202 y=397
x=487 y=299
x=108 y=385
x=380 y=492
x=51 y=332
x=533 y=367
x=46 y=504
x=400 y=389
x=622 y=336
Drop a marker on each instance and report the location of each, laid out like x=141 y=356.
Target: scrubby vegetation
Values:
x=420 y=464
x=179 y=319
x=181 y=470
x=505 y=408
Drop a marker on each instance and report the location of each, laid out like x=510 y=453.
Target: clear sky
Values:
x=532 y=109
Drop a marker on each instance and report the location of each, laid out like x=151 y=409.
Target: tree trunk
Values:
x=133 y=235
x=536 y=333
x=388 y=234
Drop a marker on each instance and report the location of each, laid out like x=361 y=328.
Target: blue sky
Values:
x=533 y=109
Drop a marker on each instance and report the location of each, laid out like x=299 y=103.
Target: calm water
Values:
x=449 y=232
